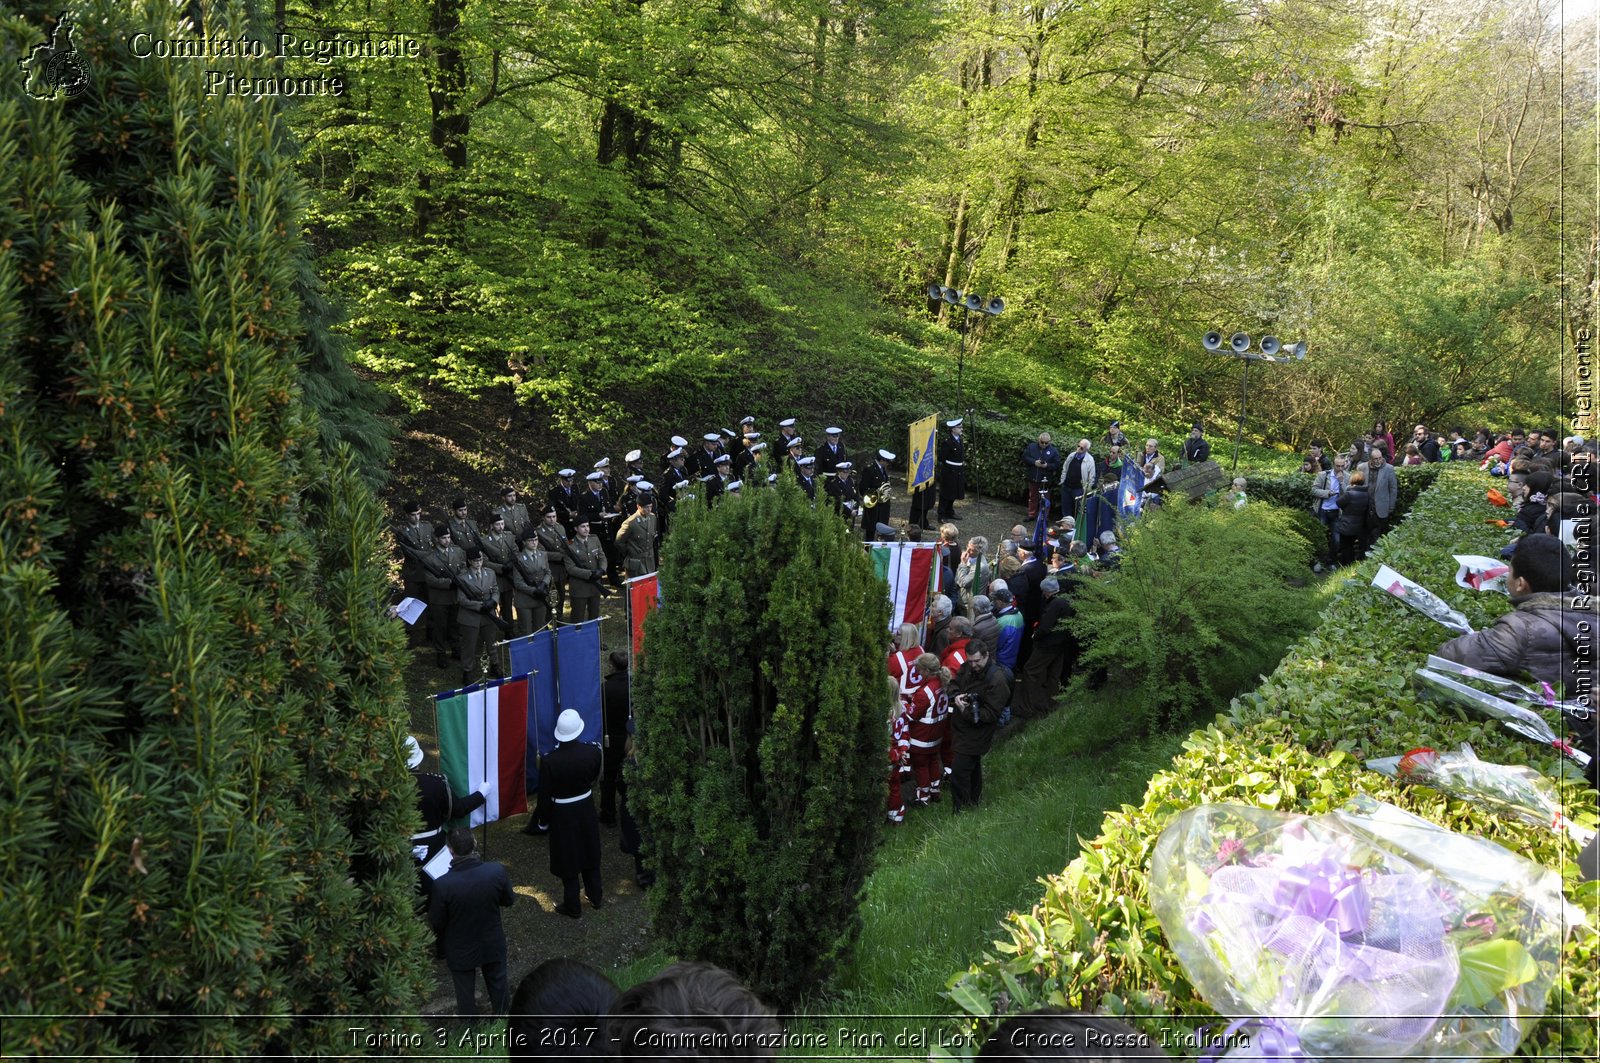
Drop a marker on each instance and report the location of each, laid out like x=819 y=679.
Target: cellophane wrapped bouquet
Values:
x=1512 y=789
x=1362 y=933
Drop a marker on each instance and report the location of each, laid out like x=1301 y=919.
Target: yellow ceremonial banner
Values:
x=920 y=462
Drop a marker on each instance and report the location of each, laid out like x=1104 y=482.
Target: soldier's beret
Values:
x=497 y=518
x=440 y=529
x=645 y=498
x=474 y=554
x=414 y=507
x=550 y=511
x=459 y=503
x=507 y=490
x=529 y=533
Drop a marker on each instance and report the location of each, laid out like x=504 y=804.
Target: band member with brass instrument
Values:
x=875 y=480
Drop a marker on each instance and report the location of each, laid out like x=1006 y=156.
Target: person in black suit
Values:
x=566 y=781
x=614 y=713
x=465 y=914
x=873 y=479
x=438 y=806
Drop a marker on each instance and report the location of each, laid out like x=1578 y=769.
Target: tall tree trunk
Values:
x=451 y=120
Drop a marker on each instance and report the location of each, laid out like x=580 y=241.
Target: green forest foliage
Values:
x=660 y=213
x=204 y=803
x=763 y=715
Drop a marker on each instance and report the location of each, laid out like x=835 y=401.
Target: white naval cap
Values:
x=567 y=474
x=787 y=422
x=886 y=455
x=632 y=455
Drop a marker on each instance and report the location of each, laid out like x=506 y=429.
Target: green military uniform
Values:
x=515 y=514
x=415 y=540
x=463 y=529
x=530 y=583
x=636 y=542
x=553 y=539
x=475 y=595
x=499 y=547
x=440 y=568
x=586 y=568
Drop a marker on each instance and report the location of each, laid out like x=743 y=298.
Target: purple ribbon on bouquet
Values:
x=1271 y=1039
x=1326 y=891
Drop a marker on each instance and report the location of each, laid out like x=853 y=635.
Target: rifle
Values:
x=541 y=588
x=471 y=592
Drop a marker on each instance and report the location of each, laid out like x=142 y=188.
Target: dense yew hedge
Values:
x=203 y=804
x=763 y=723
x=1293 y=489
x=1297 y=743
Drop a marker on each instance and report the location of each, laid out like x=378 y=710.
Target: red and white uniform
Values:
x=901 y=664
x=928 y=713
x=899 y=764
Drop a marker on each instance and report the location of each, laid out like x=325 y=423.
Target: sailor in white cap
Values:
x=831 y=453
x=805 y=469
x=794 y=446
x=733 y=487
x=742 y=459
x=634 y=460
x=952 y=470
x=705 y=459
x=678 y=443
x=875 y=480
x=563 y=498
x=747 y=424
x=566 y=787
x=438 y=806
x=841 y=488
x=674 y=479
x=786 y=432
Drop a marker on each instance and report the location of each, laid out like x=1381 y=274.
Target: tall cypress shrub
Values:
x=762 y=718
x=204 y=808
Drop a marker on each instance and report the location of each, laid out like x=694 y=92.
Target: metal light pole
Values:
x=1238 y=346
x=967 y=303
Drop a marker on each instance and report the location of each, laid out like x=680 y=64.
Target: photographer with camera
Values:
x=982 y=688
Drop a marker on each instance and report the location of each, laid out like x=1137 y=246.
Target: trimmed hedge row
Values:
x=1297 y=743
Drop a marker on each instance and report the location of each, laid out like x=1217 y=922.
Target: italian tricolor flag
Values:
x=911 y=571
x=483 y=739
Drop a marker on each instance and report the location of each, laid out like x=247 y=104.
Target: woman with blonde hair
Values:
x=902 y=655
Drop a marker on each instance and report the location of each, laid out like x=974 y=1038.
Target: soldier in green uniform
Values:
x=415 y=540
x=586 y=569
x=530 y=583
x=440 y=568
x=476 y=589
x=553 y=540
x=499 y=547
x=636 y=539
x=463 y=529
x=515 y=513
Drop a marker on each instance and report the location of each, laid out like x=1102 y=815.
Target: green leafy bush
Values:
x=762 y=710
x=1297 y=744
x=1293 y=489
x=1204 y=600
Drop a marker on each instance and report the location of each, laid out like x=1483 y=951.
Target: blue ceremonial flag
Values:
x=565 y=667
x=1130 y=492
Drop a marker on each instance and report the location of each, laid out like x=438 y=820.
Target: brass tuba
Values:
x=874 y=499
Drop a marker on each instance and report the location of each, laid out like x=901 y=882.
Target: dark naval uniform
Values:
x=566 y=786
x=952 y=476
x=873 y=479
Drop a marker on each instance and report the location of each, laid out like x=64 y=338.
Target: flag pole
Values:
x=486 y=768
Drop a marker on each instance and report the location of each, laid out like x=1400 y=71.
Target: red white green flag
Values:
x=483 y=745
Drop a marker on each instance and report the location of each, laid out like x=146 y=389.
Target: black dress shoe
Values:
x=535 y=829
x=596 y=904
x=572 y=913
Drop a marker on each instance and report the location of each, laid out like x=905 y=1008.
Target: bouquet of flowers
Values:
x=1366 y=932
x=1513 y=788
x=1512 y=703
x=1420 y=598
x=1478 y=573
